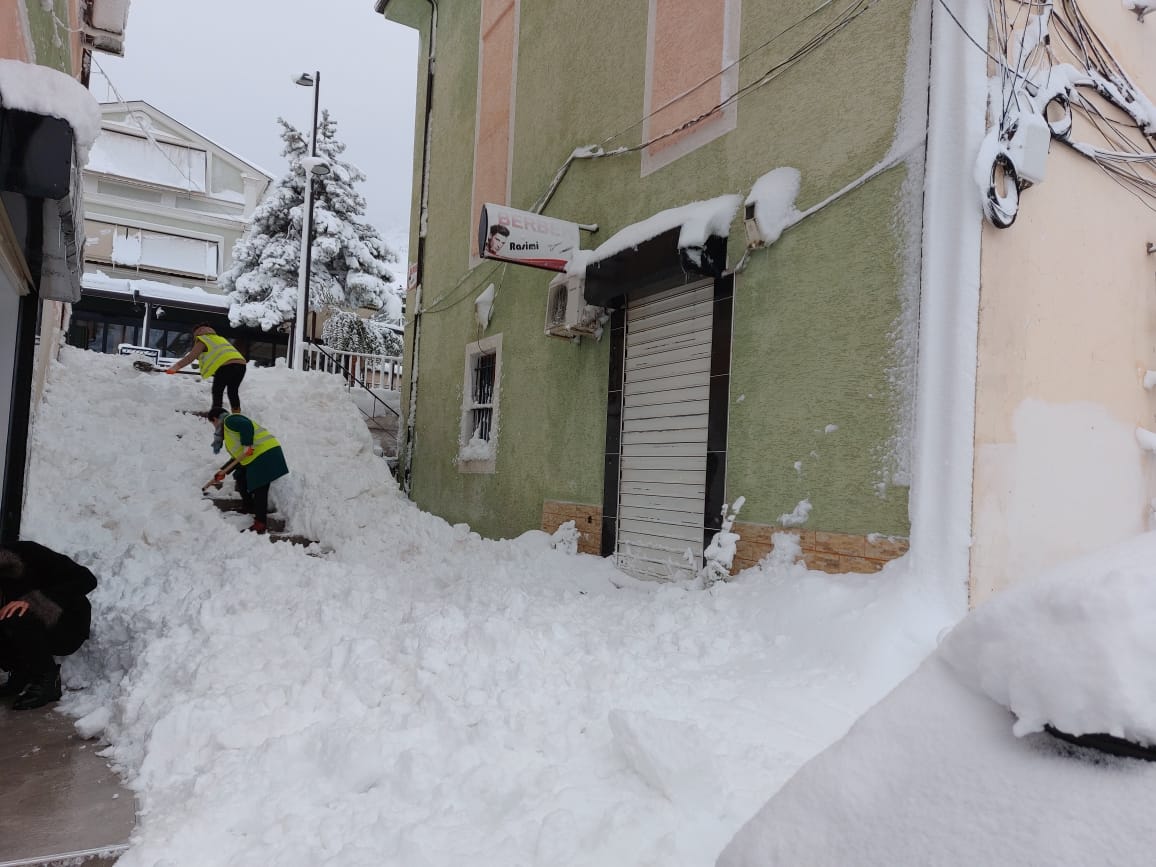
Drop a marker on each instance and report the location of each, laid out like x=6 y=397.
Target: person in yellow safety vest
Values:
x=259 y=461
x=220 y=362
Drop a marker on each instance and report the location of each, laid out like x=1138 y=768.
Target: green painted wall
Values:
x=815 y=313
x=50 y=37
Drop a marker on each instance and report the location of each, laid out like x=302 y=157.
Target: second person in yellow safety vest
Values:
x=259 y=460
x=220 y=361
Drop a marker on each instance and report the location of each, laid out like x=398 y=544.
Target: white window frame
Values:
x=475 y=350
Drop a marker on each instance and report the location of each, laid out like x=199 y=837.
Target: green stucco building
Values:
x=703 y=364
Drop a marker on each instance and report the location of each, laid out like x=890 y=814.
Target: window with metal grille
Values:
x=483 y=395
x=481 y=387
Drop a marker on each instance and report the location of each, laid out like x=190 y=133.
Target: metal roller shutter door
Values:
x=666 y=385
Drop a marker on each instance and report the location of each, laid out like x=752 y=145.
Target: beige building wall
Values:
x=1067 y=331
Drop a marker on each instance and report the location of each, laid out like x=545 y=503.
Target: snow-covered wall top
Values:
x=39 y=89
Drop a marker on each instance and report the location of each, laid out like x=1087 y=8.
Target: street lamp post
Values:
x=312 y=167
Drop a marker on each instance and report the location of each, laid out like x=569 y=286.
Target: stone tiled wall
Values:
x=588 y=520
x=825 y=552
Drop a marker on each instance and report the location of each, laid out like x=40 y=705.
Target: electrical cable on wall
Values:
x=1040 y=94
x=192 y=187
x=844 y=19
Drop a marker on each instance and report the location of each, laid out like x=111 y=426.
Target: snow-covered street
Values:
x=405 y=692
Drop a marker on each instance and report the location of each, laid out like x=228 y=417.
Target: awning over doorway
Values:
x=671 y=248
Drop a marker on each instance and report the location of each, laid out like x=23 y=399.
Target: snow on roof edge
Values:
x=152 y=290
x=128 y=105
x=697 y=221
x=44 y=90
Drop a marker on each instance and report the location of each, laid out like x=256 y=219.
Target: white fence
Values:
x=376 y=371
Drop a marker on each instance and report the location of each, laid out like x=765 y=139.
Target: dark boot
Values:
x=258 y=527
x=17 y=680
x=41 y=689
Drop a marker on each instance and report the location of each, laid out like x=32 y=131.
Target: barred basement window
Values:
x=477 y=447
x=483 y=397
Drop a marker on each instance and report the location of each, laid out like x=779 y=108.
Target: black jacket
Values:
x=51 y=583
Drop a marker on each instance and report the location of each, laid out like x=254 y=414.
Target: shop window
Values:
x=477 y=451
x=100 y=335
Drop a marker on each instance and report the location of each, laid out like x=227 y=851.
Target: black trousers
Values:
x=256 y=500
x=27 y=645
x=229 y=377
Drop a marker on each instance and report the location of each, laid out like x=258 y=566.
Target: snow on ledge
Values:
x=154 y=291
x=41 y=90
x=110 y=15
x=697 y=221
x=773 y=197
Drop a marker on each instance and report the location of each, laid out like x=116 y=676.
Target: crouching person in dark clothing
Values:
x=43 y=614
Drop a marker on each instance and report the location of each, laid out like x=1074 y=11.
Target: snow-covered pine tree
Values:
x=349 y=332
x=350 y=261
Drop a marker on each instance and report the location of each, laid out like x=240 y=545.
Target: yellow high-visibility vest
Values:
x=217 y=351
x=263 y=441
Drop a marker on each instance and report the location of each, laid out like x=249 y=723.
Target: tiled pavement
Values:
x=59 y=802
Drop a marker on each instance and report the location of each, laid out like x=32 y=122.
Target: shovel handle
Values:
x=225 y=469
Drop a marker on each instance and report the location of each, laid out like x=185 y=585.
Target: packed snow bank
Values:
x=1075 y=648
x=408 y=693
x=42 y=90
x=935 y=774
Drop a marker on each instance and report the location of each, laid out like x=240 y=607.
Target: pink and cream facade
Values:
x=1063 y=462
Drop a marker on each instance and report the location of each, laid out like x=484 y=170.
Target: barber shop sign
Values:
x=525 y=238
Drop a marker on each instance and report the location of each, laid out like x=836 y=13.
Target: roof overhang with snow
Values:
x=672 y=248
x=654 y=265
x=99 y=285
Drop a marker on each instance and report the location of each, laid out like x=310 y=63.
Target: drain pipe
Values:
x=406 y=462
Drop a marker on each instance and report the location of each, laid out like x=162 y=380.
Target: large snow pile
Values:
x=935 y=773
x=407 y=693
x=1075 y=649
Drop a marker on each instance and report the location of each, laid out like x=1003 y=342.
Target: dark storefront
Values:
x=102 y=323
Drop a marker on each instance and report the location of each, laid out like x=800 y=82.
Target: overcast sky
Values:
x=226 y=67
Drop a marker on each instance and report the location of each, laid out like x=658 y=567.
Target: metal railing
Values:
x=359 y=368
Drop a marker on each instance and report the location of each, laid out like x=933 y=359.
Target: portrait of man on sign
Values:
x=497 y=241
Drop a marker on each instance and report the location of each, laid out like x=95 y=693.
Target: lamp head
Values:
x=316 y=166
x=304 y=79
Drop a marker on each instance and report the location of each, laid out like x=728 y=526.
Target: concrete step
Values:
x=274 y=522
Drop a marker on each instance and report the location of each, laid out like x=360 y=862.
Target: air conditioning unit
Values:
x=567 y=313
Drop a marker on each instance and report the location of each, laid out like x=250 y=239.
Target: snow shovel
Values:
x=227 y=468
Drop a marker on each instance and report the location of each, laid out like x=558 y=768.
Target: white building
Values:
x=164 y=206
